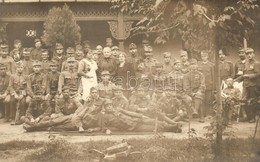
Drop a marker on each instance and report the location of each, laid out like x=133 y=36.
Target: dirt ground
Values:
x=9 y=133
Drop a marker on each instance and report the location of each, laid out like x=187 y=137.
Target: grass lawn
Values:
x=154 y=150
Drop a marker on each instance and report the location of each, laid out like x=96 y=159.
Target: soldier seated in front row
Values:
x=119 y=100
x=124 y=120
x=65 y=107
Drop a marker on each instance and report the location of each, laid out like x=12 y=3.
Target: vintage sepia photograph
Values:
x=129 y=81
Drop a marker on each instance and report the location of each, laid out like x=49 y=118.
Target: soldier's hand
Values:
x=37 y=119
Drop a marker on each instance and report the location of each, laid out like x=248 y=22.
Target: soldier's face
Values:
x=3 y=71
x=59 y=51
x=26 y=56
x=177 y=66
x=71 y=64
x=4 y=53
x=53 y=68
x=38 y=44
x=109 y=108
x=20 y=69
x=94 y=94
x=133 y=51
x=250 y=55
x=36 y=69
x=45 y=56
x=95 y=57
x=229 y=82
x=159 y=69
x=105 y=78
x=79 y=55
x=107 y=53
x=184 y=56
x=99 y=49
x=242 y=55
x=89 y=55
x=66 y=93
x=167 y=59
x=118 y=93
x=17 y=45
x=204 y=57
x=70 y=54
x=222 y=56
x=193 y=67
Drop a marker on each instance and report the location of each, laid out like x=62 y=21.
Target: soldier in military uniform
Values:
x=4 y=94
x=115 y=52
x=70 y=53
x=17 y=85
x=124 y=120
x=251 y=84
x=27 y=62
x=59 y=56
x=176 y=80
x=226 y=67
x=207 y=69
x=70 y=77
x=133 y=56
x=107 y=62
x=36 y=53
x=167 y=65
x=139 y=100
x=240 y=64
x=158 y=77
x=149 y=61
x=52 y=79
x=65 y=107
x=79 y=55
x=195 y=83
x=143 y=77
x=44 y=61
x=36 y=81
x=119 y=100
x=106 y=86
x=90 y=115
x=184 y=61
x=5 y=59
x=38 y=110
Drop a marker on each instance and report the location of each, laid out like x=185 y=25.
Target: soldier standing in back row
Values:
x=184 y=61
x=27 y=62
x=167 y=65
x=7 y=60
x=149 y=61
x=36 y=53
x=226 y=67
x=240 y=64
x=59 y=55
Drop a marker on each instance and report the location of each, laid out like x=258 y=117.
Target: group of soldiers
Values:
x=98 y=89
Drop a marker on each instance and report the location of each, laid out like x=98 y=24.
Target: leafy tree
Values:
x=201 y=24
x=60 y=26
x=3 y=34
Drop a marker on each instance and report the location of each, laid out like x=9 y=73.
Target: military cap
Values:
x=17 y=41
x=64 y=88
x=44 y=51
x=4 y=45
x=19 y=64
x=193 y=61
x=70 y=50
x=37 y=63
x=27 y=50
x=118 y=88
x=93 y=89
x=108 y=40
x=145 y=41
x=53 y=63
x=158 y=64
x=240 y=50
x=167 y=54
x=249 y=50
x=183 y=52
x=105 y=72
x=107 y=101
x=176 y=61
x=71 y=59
x=2 y=65
x=132 y=46
x=114 y=48
x=37 y=40
x=58 y=46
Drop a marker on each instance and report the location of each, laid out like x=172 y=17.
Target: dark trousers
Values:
x=252 y=95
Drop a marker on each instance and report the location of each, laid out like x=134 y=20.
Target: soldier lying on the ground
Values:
x=130 y=121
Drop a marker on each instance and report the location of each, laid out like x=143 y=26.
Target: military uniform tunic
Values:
x=36 y=82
